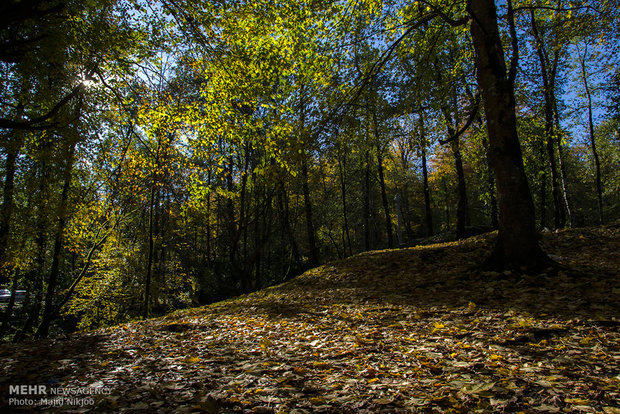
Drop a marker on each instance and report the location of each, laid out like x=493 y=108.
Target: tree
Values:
x=517 y=242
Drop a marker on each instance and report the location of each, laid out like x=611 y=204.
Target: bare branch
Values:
x=470 y=120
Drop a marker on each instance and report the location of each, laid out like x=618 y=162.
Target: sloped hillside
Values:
x=412 y=330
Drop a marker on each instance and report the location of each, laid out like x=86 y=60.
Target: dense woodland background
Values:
x=158 y=155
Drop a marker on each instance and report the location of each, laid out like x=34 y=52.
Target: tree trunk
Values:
x=286 y=222
x=563 y=173
x=35 y=276
x=314 y=254
x=490 y=184
x=462 y=207
x=8 y=311
x=384 y=199
x=446 y=199
x=7 y=204
x=342 y=160
x=366 y=207
x=52 y=282
x=517 y=242
x=428 y=214
x=13 y=147
x=548 y=78
x=149 y=259
x=597 y=163
x=542 y=188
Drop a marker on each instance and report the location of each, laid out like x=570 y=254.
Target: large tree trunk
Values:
x=517 y=242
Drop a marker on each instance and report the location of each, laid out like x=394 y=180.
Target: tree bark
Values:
x=597 y=163
x=314 y=254
x=13 y=147
x=342 y=165
x=366 y=206
x=43 y=329
x=7 y=204
x=517 y=244
x=384 y=199
x=462 y=205
x=491 y=185
x=563 y=173
x=548 y=73
x=286 y=222
x=428 y=214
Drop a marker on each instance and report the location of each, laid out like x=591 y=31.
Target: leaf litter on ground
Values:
x=407 y=330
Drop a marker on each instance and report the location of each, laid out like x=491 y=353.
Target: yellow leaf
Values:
x=317 y=400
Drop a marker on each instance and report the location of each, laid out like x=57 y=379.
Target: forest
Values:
x=310 y=206
x=158 y=155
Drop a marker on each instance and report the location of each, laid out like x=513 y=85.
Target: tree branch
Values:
x=31 y=124
x=470 y=120
x=514 y=42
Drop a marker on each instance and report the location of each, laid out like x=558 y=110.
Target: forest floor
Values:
x=409 y=330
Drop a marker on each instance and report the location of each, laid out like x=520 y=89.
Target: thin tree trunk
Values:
x=314 y=254
x=384 y=199
x=462 y=205
x=597 y=163
x=149 y=260
x=13 y=147
x=6 y=317
x=7 y=204
x=446 y=202
x=208 y=220
x=343 y=194
x=563 y=173
x=428 y=214
x=284 y=209
x=43 y=330
x=366 y=207
x=548 y=78
x=542 y=188
x=490 y=184
x=35 y=277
